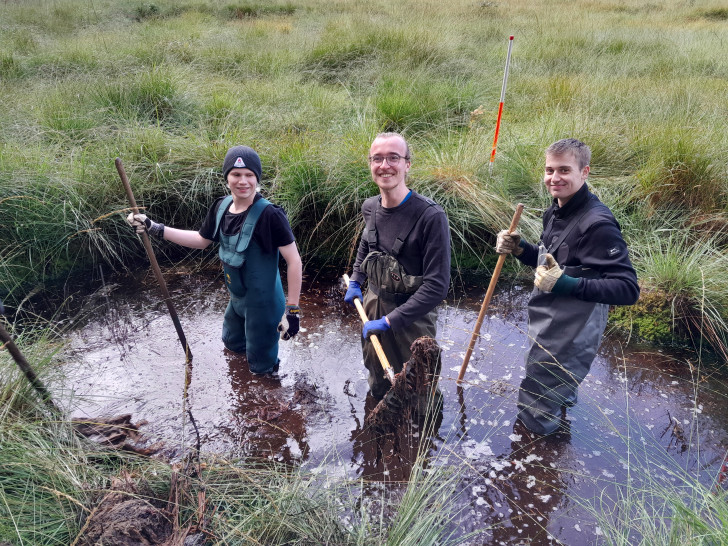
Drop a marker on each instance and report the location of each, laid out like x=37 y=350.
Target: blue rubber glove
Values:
x=375 y=327
x=354 y=291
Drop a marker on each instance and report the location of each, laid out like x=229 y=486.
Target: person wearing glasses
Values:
x=404 y=254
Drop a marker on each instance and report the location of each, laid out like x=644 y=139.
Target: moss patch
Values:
x=649 y=319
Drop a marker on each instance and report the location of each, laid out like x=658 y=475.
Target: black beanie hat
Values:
x=241 y=157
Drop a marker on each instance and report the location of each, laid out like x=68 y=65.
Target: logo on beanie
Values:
x=239 y=163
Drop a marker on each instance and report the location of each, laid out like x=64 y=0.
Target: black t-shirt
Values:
x=271 y=231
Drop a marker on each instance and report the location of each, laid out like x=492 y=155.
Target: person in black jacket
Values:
x=582 y=267
x=404 y=254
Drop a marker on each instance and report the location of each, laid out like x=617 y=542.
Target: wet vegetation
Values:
x=169 y=86
x=55 y=484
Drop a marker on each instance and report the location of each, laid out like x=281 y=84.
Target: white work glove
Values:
x=141 y=223
x=547 y=275
x=508 y=243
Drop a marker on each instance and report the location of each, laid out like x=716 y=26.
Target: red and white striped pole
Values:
x=500 y=106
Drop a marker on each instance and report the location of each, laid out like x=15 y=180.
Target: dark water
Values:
x=644 y=416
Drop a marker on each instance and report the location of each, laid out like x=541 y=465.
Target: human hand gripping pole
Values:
x=354 y=291
x=153 y=261
x=488 y=295
x=375 y=327
x=141 y=223
x=389 y=372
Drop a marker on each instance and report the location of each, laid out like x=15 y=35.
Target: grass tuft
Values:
x=412 y=105
x=153 y=96
x=717 y=14
x=688 y=274
x=249 y=9
x=678 y=173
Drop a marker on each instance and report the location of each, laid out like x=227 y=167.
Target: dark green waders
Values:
x=390 y=287
x=257 y=302
x=564 y=334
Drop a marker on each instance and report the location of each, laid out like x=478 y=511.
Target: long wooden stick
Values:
x=488 y=296
x=373 y=338
x=154 y=264
x=22 y=363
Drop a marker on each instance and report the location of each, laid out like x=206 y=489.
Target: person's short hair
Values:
x=581 y=151
x=391 y=134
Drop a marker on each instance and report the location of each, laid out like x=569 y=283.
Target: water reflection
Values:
x=532 y=486
x=391 y=457
x=314 y=411
x=266 y=418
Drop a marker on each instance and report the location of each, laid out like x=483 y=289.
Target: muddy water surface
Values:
x=659 y=415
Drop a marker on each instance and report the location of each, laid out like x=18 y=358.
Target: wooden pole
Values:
x=488 y=296
x=154 y=264
x=373 y=338
x=26 y=369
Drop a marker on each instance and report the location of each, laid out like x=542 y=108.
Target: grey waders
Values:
x=564 y=334
x=390 y=287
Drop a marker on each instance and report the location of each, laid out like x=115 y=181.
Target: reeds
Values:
x=308 y=85
x=52 y=479
x=169 y=87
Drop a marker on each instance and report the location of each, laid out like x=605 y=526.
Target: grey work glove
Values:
x=290 y=323
x=547 y=275
x=141 y=223
x=508 y=243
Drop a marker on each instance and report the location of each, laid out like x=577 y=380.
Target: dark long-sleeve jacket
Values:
x=426 y=252
x=595 y=242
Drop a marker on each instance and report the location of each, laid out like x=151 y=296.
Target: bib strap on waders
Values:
x=421 y=204
x=232 y=253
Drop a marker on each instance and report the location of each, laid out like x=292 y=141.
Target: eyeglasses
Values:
x=392 y=159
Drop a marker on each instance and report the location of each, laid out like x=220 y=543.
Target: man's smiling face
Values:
x=386 y=175
x=563 y=176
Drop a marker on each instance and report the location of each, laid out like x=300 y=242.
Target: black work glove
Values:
x=290 y=323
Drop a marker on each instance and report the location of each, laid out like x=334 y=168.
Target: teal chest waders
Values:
x=257 y=301
x=564 y=334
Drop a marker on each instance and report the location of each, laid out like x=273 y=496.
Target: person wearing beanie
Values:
x=252 y=233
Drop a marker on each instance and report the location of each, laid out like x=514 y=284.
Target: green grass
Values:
x=51 y=480
x=168 y=87
x=665 y=500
